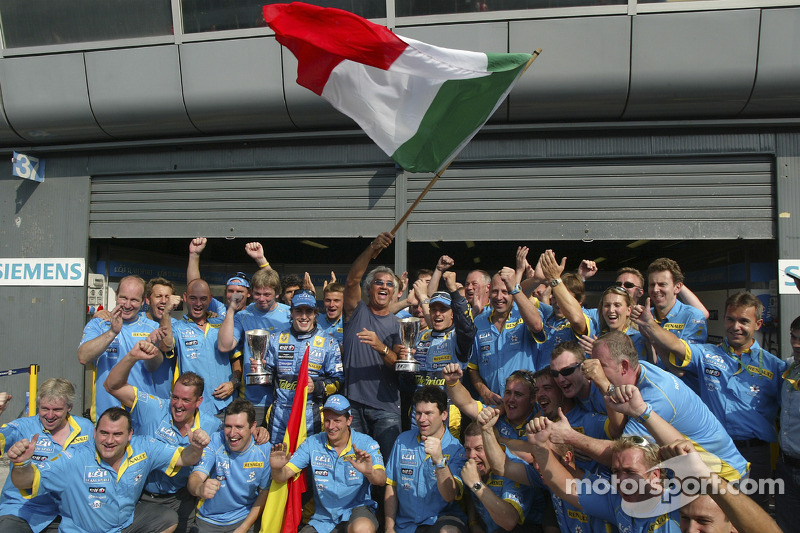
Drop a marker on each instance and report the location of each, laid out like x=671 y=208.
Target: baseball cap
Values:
x=441 y=297
x=239 y=279
x=304 y=299
x=338 y=404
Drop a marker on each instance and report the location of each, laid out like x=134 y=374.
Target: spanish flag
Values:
x=284 y=508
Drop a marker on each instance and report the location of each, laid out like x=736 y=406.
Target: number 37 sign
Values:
x=28 y=167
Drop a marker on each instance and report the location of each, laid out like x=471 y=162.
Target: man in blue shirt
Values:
x=507 y=338
x=99 y=486
x=740 y=382
x=332 y=302
x=423 y=470
x=233 y=476
x=58 y=430
x=170 y=420
x=200 y=352
x=788 y=467
x=344 y=464
x=105 y=342
x=264 y=313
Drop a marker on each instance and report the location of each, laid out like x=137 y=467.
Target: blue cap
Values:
x=304 y=299
x=240 y=280
x=441 y=297
x=338 y=404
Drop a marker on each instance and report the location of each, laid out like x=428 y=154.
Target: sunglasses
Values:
x=626 y=284
x=527 y=375
x=568 y=371
x=381 y=283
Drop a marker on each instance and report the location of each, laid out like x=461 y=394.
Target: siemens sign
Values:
x=56 y=272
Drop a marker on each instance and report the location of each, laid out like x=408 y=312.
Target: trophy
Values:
x=258 y=341
x=409 y=329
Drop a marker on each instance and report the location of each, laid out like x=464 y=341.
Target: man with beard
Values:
x=98 y=486
x=103 y=342
x=58 y=430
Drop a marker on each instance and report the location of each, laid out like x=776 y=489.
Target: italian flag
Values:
x=420 y=103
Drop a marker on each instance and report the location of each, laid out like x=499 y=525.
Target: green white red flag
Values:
x=420 y=103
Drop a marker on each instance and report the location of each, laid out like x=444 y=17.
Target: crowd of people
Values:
x=528 y=411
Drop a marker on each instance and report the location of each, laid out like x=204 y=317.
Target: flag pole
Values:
x=438 y=175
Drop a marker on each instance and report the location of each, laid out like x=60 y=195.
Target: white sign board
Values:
x=57 y=272
x=787 y=269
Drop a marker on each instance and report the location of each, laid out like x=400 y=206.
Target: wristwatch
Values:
x=442 y=464
x=642 y=418
x=555 y=282
x=477 y=486
x=426 y=301
x=611 y=389
x=516 y=290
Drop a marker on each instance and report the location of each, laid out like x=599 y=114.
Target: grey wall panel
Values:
x=582 y=72
x=698 y=64
x=234 y=86
x=331 y=203
x=136 y=92
x=489 y=37
x=777 y=88
x=788 y=208
x=46 y=98
x=583 y=200
x=44 y=324
x=7 y=135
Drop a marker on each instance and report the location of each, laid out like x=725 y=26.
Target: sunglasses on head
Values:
x=626 y=284
x=565 y=371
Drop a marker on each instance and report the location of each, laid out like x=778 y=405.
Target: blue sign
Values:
x=27 y=167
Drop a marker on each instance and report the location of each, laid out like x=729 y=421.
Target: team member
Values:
x=476 y=291
x=199 y=352
x=332 y=301
x=290 y=284
x=264 y=313
x=788 y=467
x=233 y=476
x=161 y=301
x=170 y=420
x=614 y=314
x=58 y=430
x=104 y=341
x=740 y=381
x=670 y=398
x=371 y=334
x=501 y=503
x=507 y=339
x=345 y=463
x=423 y=470
x=98 y=487
x=449 y=340
x=284 y=358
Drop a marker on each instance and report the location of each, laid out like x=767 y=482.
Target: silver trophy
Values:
x=258 y=341
x=409 y=329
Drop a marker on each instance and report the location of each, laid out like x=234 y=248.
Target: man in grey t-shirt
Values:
x=370 y=344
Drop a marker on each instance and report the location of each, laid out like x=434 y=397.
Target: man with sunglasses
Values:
x=284 y=358
x=740 y=381
x=371 y=340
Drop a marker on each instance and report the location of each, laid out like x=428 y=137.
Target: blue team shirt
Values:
x=743 y=396
x=681 y=407
x=93 y=497
x=789 y=437
x=241 y=475
x=333 y=329
x=688 y=324
x=496 y=354
x=151 y=416
x=198 y=352
x=520 y=497
x=558 y=330
x=39 y=511
x=413 y=475
x=156 y=383
x=607 y=505
x=338 y=486
x=251 y=317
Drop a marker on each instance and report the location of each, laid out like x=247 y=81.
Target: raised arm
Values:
x=226 y=339
x=458 y=394
x=527 y=309
x=465 y=326
x=352 y=287
x=89 y=351
x=554 y=474
x=190 y=455
x=196 y=247
x=627 y=399
x=116 y=383
x=499 y=462
x=664 y=342
x=690 y=298
x=255 y=251
x=566 y=301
